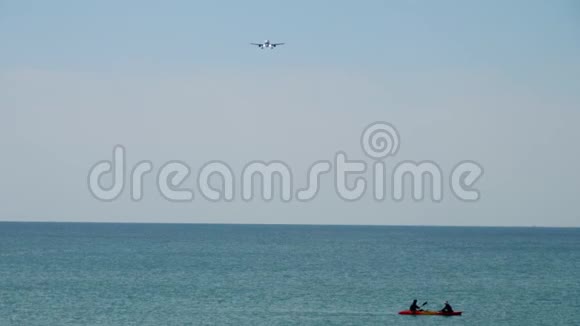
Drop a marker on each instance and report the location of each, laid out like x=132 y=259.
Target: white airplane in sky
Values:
x=267 y=44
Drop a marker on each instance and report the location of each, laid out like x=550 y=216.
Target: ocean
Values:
x=188 y=274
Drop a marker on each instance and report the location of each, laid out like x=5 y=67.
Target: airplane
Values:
x=267 y=44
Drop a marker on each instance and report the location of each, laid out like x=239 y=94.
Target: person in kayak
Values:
x=447 y=308
x=414 y=307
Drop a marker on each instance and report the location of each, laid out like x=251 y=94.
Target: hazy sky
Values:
x=496 y=82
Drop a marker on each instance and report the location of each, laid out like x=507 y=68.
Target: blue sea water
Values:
x=163 y=274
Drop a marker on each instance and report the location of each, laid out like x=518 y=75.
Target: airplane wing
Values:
x=258 y=44
x=276 y=44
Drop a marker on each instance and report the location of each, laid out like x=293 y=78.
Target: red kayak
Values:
x=430 y=313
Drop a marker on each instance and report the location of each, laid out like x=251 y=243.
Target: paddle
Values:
x=421 y=306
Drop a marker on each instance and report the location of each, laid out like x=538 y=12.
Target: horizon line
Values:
x=299 y=224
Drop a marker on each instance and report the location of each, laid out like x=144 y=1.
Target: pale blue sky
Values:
x=491 y=81
x=512 y=35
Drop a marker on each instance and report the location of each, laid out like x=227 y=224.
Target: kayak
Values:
x=430 y=313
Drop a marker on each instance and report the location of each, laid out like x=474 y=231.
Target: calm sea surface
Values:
x=147 y=274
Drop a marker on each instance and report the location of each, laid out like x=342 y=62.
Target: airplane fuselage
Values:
x=267 y=45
